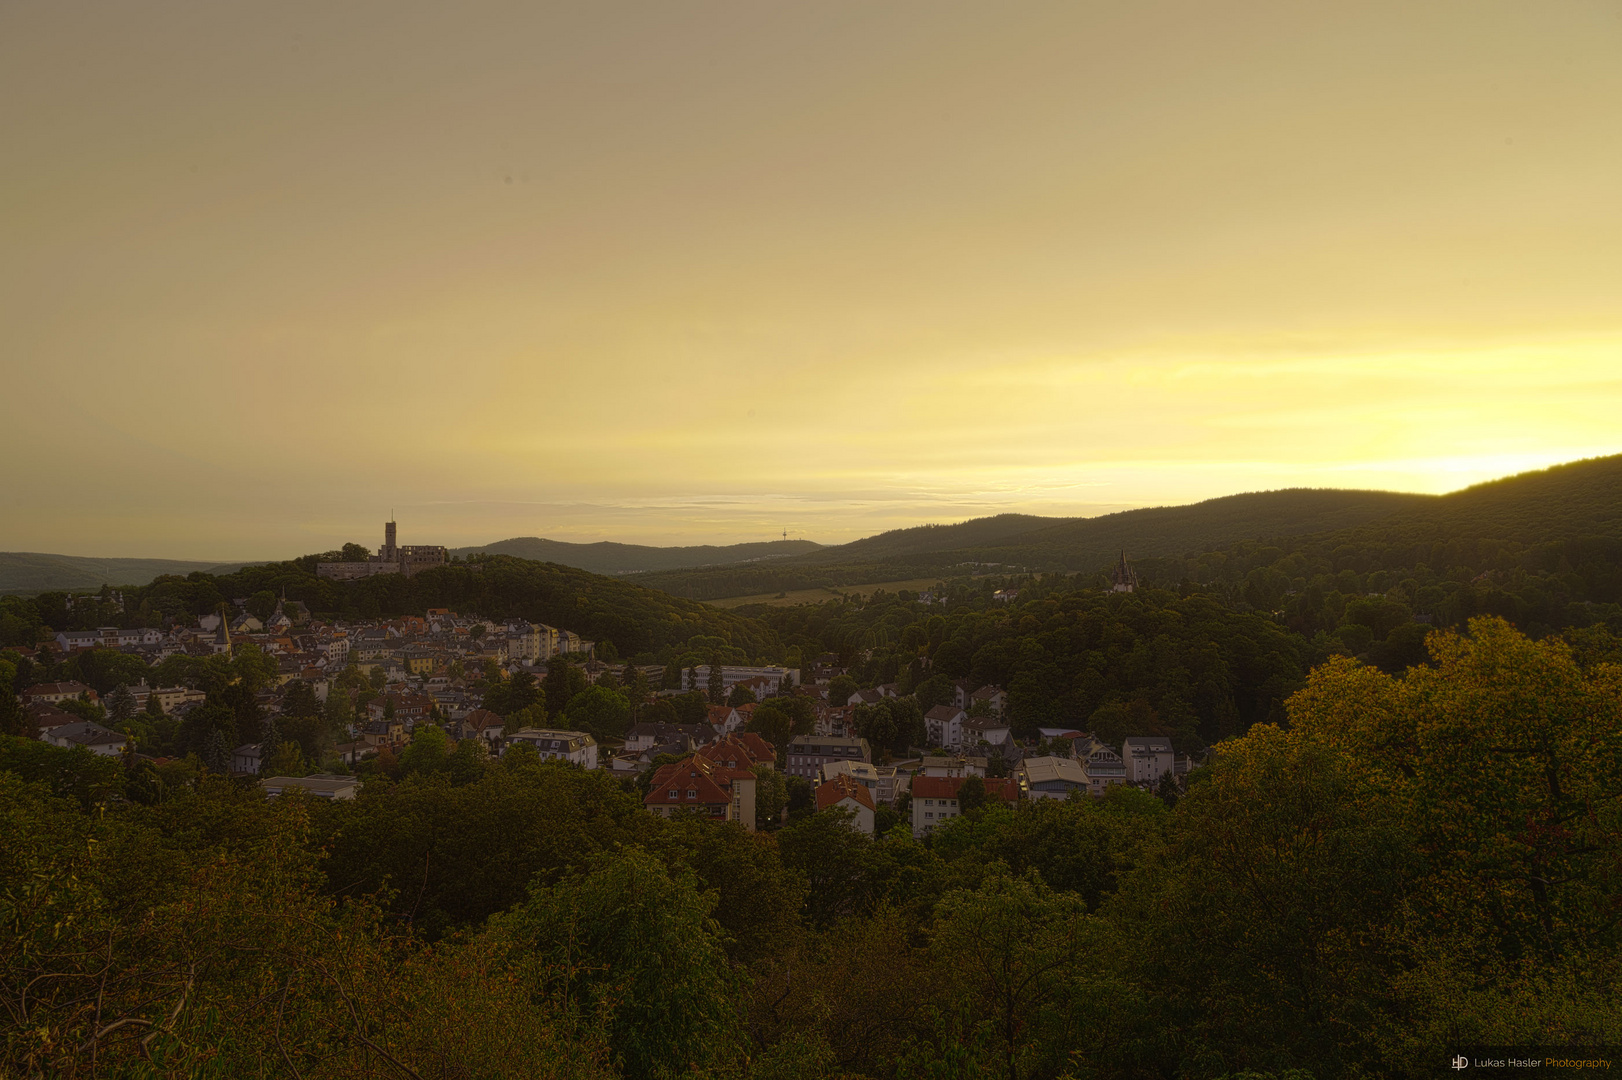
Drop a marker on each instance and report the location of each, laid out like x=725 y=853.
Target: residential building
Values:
x=883 y=781
x=994 y=696
x=1102 y=764
x=952 y=766
x=943 y=726
x=700 y=785
x=744 y=750
x=91 y=736
x=554 y=745
x=984 y=729
x=935 y=799
x=53 y=692
x=1051 y=777
x=245 y=759
x=479 y=724
x=645 y=735
x=808 y=753
x=1147 y=759
x=846 y=793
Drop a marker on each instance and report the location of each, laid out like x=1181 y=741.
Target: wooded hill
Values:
x=636 y=620
x=606 y=557
x=1045 y=544
x=33 y=572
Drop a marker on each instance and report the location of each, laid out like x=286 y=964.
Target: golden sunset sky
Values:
x=701 y=272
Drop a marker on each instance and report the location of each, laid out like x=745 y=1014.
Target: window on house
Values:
x=673 y=793
x=692 y=793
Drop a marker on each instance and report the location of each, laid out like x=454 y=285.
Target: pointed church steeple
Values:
x=1126 y=579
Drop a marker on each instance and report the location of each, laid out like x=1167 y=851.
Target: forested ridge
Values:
x=637 y=620
x=1578 y=503
x=1406 y=864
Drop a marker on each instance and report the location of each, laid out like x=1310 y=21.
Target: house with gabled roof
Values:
x=699 y=785
x=845 y=793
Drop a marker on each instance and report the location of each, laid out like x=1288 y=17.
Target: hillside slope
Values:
x=607 y=557
x=1175 y=530
x=1063 y=544
x=33 y=572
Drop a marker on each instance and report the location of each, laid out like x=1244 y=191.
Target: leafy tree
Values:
x=354 y=553
x=636 y=686
x=933 y=691
x=120 y=704
x=671 y=680
x=757 y=898
x=771 y=797
x=840 y=690
x=740 y=695
x=563 y=681
x=847 y=872
x=602 y=712
x=1011 y=949
x=252 y=667
x=261 y=605
x=774 y=725
x=614 y=935
x=286 y=759
x=717 y=680
x=971 y=794
x=428 y=752
x=691 y=708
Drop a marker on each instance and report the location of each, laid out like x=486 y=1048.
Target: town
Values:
x=339 y=701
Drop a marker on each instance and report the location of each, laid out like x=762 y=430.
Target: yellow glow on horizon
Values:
x=598 y=271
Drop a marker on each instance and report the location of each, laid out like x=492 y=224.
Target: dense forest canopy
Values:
x=1410 y=864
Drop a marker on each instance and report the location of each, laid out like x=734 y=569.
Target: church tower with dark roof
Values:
x=1126 y=579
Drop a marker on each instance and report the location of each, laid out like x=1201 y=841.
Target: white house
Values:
x=847 y=794
x=1147 y=759
x=553 y=745
x=943 y=726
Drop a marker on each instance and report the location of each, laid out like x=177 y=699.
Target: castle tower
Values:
x=390 y=552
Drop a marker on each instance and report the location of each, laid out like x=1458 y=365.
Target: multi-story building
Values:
x=808 y=753
x=1101 y=763
x=882 y=781
x=1147 y=759
x=1052 y=777
x=553 y=745
x=847 y=794
x=700 y=785
x=935 y=799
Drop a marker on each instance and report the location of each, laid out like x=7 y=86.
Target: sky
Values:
x=707 y=272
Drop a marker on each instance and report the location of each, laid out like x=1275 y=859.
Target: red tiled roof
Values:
x=840 y=788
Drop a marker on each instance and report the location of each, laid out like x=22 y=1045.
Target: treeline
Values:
x=1417 y=862
x=636 y=621
x=1146 y=663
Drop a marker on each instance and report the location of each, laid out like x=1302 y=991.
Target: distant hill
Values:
x=1579 y=498
x=34 y=572
x=1050 y=543
x=922 y=539
x=1176 y=530
x=606 y=557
